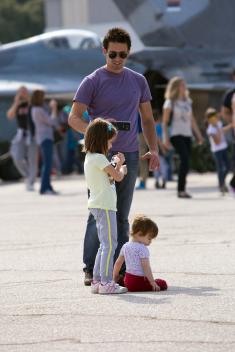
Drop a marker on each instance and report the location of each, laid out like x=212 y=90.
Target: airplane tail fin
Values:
x=178 y=23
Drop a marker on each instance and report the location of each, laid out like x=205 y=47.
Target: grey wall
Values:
x=103 y=11
x=52 y=11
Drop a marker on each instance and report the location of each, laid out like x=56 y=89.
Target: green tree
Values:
x=20 y=19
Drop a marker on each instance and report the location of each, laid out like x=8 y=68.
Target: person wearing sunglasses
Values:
x=116 y=93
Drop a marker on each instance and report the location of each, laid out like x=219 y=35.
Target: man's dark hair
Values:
x=117 y=35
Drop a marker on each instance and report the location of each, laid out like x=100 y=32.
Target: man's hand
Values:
x=154 y=161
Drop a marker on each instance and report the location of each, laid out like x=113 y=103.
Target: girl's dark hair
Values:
x=144 y=225
x=97 y=135
x=37 y=98
x=117 y=35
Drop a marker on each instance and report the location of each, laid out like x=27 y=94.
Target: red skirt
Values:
x=136 y=283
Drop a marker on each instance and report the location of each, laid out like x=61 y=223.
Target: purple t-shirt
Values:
x=117 y=96
x=133 y=252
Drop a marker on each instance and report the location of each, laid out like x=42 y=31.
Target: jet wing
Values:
x=9 y=88
x=55 y=87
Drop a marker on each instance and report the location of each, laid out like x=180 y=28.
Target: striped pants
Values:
x=106 y=224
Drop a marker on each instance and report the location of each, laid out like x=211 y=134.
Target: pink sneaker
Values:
x=95 y=286
x=111 y=288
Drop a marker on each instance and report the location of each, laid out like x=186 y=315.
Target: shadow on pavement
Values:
x=139 y=298
x=192 y=291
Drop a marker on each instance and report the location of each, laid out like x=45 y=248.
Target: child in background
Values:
x=102 y=200
x=219 y=146
x=135 y=253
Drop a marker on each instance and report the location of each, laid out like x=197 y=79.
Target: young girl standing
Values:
x=100 y=175
x=135 y=253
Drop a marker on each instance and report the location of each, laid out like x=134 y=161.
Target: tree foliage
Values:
x=20 y=19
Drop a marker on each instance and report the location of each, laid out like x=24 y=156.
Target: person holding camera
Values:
x=116 y=93
x=23 y=148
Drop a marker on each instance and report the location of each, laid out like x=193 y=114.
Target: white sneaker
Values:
x=95 y=287
x=111 y=288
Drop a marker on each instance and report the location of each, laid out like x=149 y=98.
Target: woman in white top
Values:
x=178 y=109
x=23 y=149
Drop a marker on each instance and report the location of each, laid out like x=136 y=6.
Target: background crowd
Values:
x=45 y=145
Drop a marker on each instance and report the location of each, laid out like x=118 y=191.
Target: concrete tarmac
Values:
x=44 y=305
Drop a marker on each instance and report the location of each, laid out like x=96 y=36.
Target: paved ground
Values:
x=45 y=307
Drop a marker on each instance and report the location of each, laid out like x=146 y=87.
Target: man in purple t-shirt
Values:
x=116 y=93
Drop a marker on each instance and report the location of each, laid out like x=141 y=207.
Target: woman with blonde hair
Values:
x=177 y=112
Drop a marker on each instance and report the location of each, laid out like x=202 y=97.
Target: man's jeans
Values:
x=125 y=190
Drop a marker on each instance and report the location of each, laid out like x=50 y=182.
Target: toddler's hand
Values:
x=155 y=286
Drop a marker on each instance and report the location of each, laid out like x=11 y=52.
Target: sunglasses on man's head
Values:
x=114 y=54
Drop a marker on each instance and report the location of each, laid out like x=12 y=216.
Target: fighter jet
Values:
x=193 y=39
x=55 y=62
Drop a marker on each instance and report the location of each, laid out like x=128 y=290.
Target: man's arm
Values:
x=76 y=120
x=150 y=135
